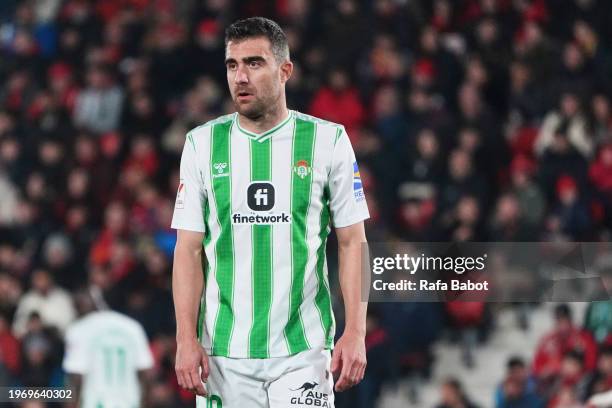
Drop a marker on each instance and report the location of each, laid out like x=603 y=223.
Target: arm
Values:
x=144 y=377
x=74 y=383
x=349 y=354
x=349 y=253
x=187 y=287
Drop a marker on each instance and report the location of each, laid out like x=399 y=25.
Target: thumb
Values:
x=335 y=362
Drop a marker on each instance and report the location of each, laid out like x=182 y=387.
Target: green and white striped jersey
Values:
x=265 y=202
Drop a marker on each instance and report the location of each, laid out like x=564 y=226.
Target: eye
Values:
x=231 y=66
x=254 y=64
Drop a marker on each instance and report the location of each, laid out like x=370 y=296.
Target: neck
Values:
x=265 y=122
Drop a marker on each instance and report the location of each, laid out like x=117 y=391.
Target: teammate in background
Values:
x=107 y=358
x=258 y=189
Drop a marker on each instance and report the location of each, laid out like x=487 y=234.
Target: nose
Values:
x=241 y=76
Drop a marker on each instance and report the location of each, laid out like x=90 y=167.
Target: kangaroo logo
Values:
x=305 y=387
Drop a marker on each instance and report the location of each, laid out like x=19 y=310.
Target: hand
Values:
x=190 y=357
x=349 y=359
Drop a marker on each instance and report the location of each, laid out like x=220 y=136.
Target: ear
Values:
x=286 y=69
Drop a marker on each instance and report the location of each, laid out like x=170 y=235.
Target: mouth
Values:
x=244 y=96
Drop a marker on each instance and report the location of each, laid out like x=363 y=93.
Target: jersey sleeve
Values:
x=347 y=199
x=191 y=194
x=76 y=359
x=144 y=357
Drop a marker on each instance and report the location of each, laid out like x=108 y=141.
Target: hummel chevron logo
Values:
x=220 y=170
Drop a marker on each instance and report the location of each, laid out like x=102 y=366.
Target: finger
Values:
x=196 y=382
x=205 y=368
x=353 y=373
x=361 y=372
x=180 y=377
x=187 y=382
x=336 y=360
x=343 y=381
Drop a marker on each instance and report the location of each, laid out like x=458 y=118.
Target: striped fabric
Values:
x=264 y=203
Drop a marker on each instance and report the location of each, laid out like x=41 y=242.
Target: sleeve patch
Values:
x=357 y=184
x=180 y=195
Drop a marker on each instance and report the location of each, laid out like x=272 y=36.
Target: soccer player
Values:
x=258 y=189
x=107 y=358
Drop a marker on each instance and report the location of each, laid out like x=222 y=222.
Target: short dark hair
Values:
x=260 y=27
x=563 y=311
x=575 y=355
x=515 y=362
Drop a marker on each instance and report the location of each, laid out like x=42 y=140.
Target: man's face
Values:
x=255 y=79
x=564 y=325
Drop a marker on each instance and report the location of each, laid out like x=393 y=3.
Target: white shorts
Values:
x=303 y=380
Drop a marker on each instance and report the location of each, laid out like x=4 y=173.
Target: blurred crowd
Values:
x=473 y=120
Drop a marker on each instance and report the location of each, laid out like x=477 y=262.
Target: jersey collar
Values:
x=262 y=136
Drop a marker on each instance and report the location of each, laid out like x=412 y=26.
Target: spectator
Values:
x=517 y=390
x=570 y=117
x=339 y=102
x=51 y=302
x=58 y=260
x=525 y=99
x=570 y=213
x=98 y=107
x=453 y=396
x=462 y=180
x=561 y=158
x=465 y=221
x=570 y=383
x=208 y=46
x=600 y=175
x=40 y=354
x=115 y=228
x=387 y=116
x=508 y=222
x=529 y=195
x=10 y=293
x=601 y=380
x=601 y=119
x=564 y=337
x=10 y=352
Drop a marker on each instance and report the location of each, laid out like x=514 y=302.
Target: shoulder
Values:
x=60 y=294
x=196 y=135
x=329 y=129
x=79 y=328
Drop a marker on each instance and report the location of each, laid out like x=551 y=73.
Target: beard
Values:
x=253 y=110
x=264 y=100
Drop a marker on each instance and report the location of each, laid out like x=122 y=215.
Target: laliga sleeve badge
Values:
x=180 y=196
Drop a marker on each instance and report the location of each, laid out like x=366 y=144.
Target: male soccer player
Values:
x=107 y=357
x=258 y=189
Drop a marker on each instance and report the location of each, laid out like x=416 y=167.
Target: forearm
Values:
x=187 y=287
x=74 y=382
x=350 y=283
x=145 y=388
